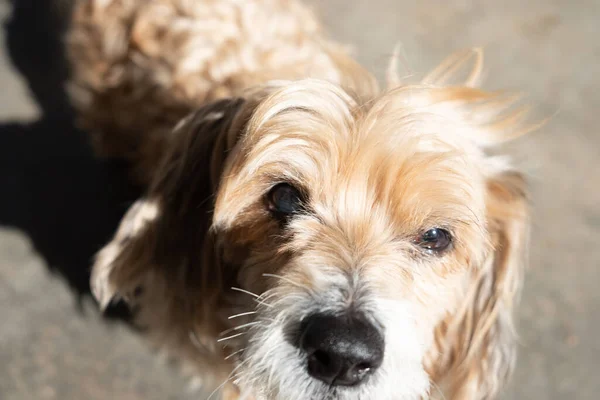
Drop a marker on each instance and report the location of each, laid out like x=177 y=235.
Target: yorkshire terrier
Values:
x=303 y=233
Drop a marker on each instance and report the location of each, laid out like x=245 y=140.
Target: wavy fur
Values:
x=213 y=103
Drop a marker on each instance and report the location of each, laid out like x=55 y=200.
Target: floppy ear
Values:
x=477 y=344
x=162 y=233
x=161 y=260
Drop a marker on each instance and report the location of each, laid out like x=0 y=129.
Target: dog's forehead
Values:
x=320 y=118
x=391 y=149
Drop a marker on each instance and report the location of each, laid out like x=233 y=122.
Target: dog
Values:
x=303 y=234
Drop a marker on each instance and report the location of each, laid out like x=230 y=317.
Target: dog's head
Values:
x=373 y=244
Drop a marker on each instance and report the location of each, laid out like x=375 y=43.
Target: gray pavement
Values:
x=53 y=343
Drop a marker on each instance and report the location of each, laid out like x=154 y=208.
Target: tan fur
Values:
x=142 y=65
x=276 y=102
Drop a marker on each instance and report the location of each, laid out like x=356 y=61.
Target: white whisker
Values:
x=234 y=353
x=231 y=337
x=256 y=296
x=283 y=278
x=241 y=314
x=245 y=291
x=237 y=328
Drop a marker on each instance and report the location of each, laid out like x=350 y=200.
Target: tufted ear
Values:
x=451 y=93
x=477 y=344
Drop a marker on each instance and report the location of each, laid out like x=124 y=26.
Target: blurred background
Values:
x=58 y=204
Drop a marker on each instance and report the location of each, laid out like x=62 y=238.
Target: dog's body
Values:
x=345 y=217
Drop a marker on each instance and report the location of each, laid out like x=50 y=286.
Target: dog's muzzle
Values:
x=341 y=350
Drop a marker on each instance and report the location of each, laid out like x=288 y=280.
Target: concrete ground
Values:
x=57 y=205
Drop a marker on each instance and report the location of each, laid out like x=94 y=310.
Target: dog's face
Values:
x=373 y=245
x=355 y=225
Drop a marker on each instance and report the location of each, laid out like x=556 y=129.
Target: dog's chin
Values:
x=272 y=368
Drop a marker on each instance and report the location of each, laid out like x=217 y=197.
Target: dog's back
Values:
x=140 y=66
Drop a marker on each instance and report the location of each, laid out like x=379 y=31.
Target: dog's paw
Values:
x=103 y=288
x=113 y=260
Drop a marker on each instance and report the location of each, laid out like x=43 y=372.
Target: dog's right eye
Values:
x=284 y=200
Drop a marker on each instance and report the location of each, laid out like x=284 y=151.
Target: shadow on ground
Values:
x=64 y=199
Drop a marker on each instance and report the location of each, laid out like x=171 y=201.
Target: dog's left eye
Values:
x=435 y=240
x=284 y=200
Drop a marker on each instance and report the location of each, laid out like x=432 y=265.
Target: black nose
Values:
x=341 y=350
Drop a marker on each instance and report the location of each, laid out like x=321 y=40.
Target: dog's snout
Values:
x=341 y=350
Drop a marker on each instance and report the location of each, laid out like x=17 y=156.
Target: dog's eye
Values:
x=284 y=200
x=435 y=240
